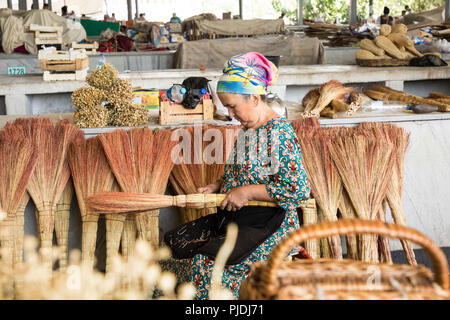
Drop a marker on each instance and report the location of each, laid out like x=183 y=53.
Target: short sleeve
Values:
x=288 y=184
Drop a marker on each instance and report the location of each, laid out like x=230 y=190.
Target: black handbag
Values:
x=207 y=234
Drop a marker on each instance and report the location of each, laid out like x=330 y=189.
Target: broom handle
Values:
x=201 y=201
x=353 y=226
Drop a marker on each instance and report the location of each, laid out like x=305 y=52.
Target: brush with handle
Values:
x=126 y=202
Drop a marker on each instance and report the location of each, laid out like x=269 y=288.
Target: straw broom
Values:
x=129 y=236
x=364 y=163
x=400 y=140
x=129 y=202
x=141 y=162
x=62 y=219
x=326 y=185
x=186 y=178
x=90 y=174
x=17 y=162
x=50 y=176
x=309 y=216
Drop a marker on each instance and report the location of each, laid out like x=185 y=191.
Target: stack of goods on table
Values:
x=335 y=35
x=443 y=30
x=354 y=174
x=391 y=48
x=330 y=98
x=434 y=102
x=107 y=101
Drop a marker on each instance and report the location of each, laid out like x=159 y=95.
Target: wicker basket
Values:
x=382 y=62
x=279 y=279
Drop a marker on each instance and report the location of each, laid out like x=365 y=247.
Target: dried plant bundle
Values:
x=348 y=212
x=141 y=162
x=62 y=220
x=90 y=174
x=400 y=140
x=364 y=160
x=324 y=179
x=51 y=173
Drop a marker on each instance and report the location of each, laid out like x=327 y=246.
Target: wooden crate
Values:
x=172 y=113
x=64 y=65
x=46 y=34
x=77 y=75
x=91 y=48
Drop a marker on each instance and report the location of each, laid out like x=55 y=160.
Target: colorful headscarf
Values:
x=248 y=73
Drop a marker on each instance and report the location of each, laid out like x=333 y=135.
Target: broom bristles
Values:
x=326 y=185
x=90 y=174
x=127 y=202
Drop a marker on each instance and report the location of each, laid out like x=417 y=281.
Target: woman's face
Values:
x=242 y=109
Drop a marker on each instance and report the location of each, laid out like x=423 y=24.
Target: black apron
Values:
x=207 y=234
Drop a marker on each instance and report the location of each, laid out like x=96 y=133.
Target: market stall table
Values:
x=29 y=94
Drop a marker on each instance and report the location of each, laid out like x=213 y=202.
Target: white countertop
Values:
x=289 y=75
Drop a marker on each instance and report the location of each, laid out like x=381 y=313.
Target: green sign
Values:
x=16 y=71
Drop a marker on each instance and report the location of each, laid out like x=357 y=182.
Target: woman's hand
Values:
x=210 y=188
x=235 y=199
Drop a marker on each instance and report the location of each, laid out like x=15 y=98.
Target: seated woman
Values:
x=268 y=168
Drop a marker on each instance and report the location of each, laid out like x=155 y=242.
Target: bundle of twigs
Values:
x=18 y=158
x=203 y=164
x=51 y=173
x=90 y=174
x=364 y=161
x=62 y=219
x=141 y=162
x=324 y=179
x=400 y=139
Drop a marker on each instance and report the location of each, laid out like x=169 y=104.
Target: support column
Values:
x=353 y=14
x=300 y=12
x=370 y=8
x=36 y=4
x=10 y=4
x=137 y=9
x=23 y=5
x=17 y=104
x=49 y=2
x=130 y=10
x=240 y=10
x=447 y=9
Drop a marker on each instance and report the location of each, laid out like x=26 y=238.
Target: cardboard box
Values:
x=149 y=98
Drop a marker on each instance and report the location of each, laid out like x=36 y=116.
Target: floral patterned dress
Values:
x=272 y=159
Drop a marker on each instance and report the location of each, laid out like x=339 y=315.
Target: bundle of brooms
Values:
x=441 y=101
x=90 y=174
x=323 y=177
x=400 y=140
x=364 y=159
x=203 y=162
x=47 y=182
x=141 y=162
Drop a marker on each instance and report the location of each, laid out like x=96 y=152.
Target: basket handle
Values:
x=355 y=226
